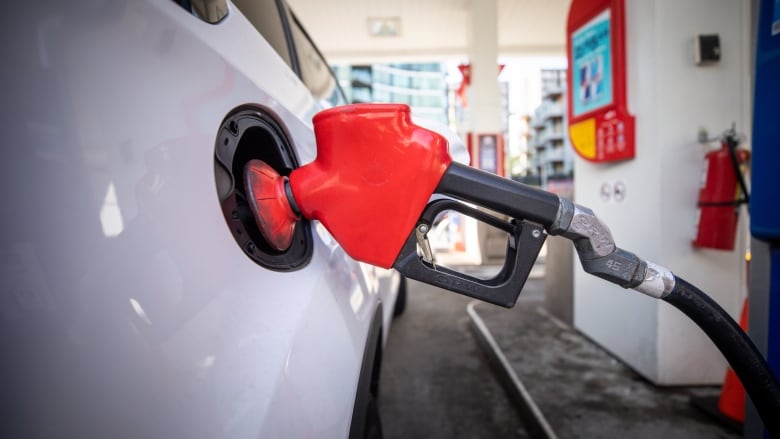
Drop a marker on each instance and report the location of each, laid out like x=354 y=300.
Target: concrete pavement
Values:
x=436 y=381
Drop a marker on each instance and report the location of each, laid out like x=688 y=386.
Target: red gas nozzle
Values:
x=266 y=194
x=374 y=174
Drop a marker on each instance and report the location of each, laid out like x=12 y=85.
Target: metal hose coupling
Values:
x=600 y=256
x=659 y=281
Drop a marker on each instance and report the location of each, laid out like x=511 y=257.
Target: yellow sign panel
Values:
x=583 y=138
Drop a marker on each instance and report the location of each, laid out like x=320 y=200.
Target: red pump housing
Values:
x=369 y=157
x=716 y=226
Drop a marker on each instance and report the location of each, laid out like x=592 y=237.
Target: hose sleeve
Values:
x=743 y=356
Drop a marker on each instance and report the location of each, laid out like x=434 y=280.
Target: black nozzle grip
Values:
x=523 y=245
x=509 y=197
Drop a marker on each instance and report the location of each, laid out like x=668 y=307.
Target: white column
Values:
x=485 y=105
x=484 y=96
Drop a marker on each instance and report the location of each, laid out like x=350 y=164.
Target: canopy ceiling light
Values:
x=384 y=26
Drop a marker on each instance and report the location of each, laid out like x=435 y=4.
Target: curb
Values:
x=533 y=418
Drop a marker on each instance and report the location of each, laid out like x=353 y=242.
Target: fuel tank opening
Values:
x=274 y=237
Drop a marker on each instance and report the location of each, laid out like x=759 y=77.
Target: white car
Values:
x=139 y=299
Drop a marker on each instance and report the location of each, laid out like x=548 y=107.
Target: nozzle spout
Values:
x=268 y=196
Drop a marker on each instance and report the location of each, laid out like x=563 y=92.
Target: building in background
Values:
x=551 y=156
x=537 y=149
x=422 y=86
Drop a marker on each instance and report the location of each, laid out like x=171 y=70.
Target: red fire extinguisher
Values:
x=722 y=191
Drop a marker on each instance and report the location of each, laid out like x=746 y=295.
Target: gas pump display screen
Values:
x=592 y=65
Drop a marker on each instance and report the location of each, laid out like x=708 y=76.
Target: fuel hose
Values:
x=746 y=361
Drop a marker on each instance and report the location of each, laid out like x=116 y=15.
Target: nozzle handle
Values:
x=523 y=245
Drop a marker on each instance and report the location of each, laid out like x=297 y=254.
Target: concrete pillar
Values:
x=484 y=96
x=485 y=102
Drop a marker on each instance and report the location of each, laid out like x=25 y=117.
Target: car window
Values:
x=267 y=19
x=210 y=11
x=315 y=72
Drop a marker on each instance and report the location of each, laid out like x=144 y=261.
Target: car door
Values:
x=132 y=308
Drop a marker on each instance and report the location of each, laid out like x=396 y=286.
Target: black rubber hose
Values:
x=743 y=356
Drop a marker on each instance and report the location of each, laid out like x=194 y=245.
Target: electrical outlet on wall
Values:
x=707 y=49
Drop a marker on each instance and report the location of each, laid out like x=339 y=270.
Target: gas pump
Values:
x=764 y=209
x=371 y=186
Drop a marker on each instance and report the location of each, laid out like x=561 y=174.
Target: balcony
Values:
x=553 y=91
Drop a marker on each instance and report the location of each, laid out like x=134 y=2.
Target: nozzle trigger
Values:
x=421 y=235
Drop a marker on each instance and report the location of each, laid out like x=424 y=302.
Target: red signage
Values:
x=600 y=127
x=487 y=153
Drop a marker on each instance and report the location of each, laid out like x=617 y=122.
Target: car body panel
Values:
x=128 y=310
